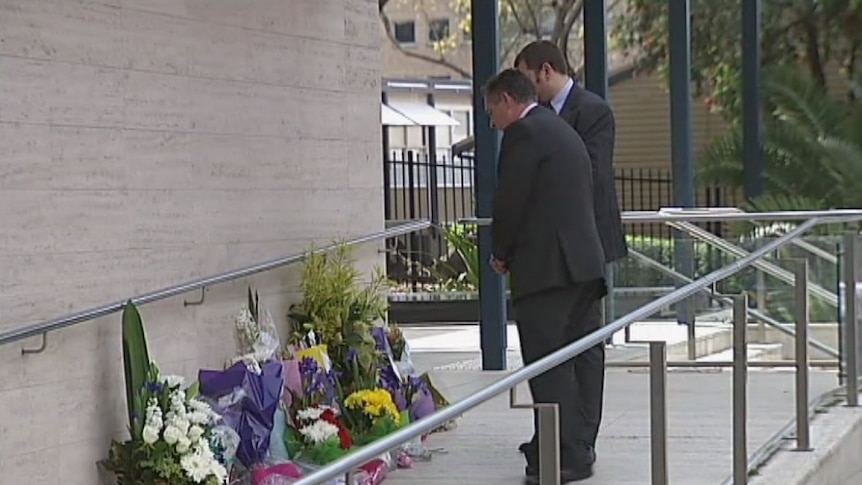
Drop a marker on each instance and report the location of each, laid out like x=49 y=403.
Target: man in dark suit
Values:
x=589 y=114
x=592 y=117
x=544 y=234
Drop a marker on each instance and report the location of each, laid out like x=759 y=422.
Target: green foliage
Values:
x=805 y=32
x=462 y=240
x=136 y=367
x=630 y=272
x=812 y=148
x=340 y=310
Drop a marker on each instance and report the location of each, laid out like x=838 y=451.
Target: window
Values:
x=438 y=30
x=404 y=32
x=464 y=129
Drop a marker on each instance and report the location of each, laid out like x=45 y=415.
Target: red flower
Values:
x=344 y=437
x=329 y=417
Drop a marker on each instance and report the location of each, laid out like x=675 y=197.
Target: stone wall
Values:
x=144 y=143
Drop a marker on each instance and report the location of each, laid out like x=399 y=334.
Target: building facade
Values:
x=149 y=143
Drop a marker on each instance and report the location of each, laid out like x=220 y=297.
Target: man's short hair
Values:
x=541 y=52
x=513 y=83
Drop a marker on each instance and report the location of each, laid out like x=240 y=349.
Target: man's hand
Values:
x=499 y=266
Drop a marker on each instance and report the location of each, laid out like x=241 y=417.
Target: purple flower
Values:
x=352 y=355
x=380 y=338
x=154 y=387
x=307 y=367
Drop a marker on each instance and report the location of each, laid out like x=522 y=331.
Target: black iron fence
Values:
x=415 y=186
x=442 y=189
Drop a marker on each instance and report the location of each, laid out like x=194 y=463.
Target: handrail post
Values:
x=851 y=345
x=803 y=430
x=740 y=384
x=547 y=436
x=658 y=412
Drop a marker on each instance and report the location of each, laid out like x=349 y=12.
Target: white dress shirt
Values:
x=560 y=99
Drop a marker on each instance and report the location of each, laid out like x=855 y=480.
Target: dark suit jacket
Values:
x=593 y=119
x=544 y=226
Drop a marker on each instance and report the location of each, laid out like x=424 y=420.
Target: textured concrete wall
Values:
x=148 y=142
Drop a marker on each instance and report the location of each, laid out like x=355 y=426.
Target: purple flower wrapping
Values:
x=390 y=381
x=248 y=404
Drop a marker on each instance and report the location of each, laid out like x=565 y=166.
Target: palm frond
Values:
x=795 y=97
x=811 y=150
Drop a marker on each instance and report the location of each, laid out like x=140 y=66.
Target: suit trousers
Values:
x=546 y=322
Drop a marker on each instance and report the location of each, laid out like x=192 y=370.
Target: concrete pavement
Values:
x=482 y=449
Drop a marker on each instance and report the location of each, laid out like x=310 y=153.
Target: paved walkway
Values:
x=482 y=450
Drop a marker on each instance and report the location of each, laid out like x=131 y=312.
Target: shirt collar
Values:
x=560 y=99
x=528 y=109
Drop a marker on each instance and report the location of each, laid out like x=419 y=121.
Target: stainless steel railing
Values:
x=658 y=362
x=43 y=328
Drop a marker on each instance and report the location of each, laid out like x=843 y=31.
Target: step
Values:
x=767 y=351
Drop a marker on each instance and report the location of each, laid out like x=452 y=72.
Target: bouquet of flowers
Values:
x=177 y=442
x=257 y=337
x=372 y=414
x=247 y=401
x=319 y=435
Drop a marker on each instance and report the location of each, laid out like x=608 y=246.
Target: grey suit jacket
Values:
x=544 y=226
x=593 y=119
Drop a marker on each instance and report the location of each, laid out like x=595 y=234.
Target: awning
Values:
x=390 y=117
x=423 y=114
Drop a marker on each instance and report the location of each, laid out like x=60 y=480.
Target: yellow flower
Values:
x=375 y=403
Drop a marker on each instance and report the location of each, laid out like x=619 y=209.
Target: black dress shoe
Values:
x=567 y=475
x=524 y=448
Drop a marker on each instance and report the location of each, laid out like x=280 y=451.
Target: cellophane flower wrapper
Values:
x=371 y=473
x=423 y=404
x=272 y=473
x=227 y=442
x=247 y=402
x=277 y=451
x=292 y=381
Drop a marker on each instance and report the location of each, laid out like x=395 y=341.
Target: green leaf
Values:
x=136 y=366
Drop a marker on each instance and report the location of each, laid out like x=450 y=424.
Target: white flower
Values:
x=181 y=423
x=172 y=434
x=198 y=417
x=183 y=445
x=309 y=414
x=151 y=435
x=195 y=433
x=173 y=381
x=319 y=432
x=201 y=464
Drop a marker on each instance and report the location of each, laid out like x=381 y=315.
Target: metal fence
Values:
x=442 y=190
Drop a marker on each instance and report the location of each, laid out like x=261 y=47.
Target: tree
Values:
x=809 y=32
x=812 y=149
x=521 y=22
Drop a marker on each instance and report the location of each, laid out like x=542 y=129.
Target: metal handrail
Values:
x=719 y=215
x=93 y=313
x=727 y=300
x=765 y=266
x=544 y=364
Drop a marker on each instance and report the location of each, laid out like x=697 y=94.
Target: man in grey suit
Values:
x=592 y=117
x=544 y=234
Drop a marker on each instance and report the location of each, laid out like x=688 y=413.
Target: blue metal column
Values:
x=679 y=18
x=596 y=80
x=492 y=297
x=751 y=109
x=596 y=47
